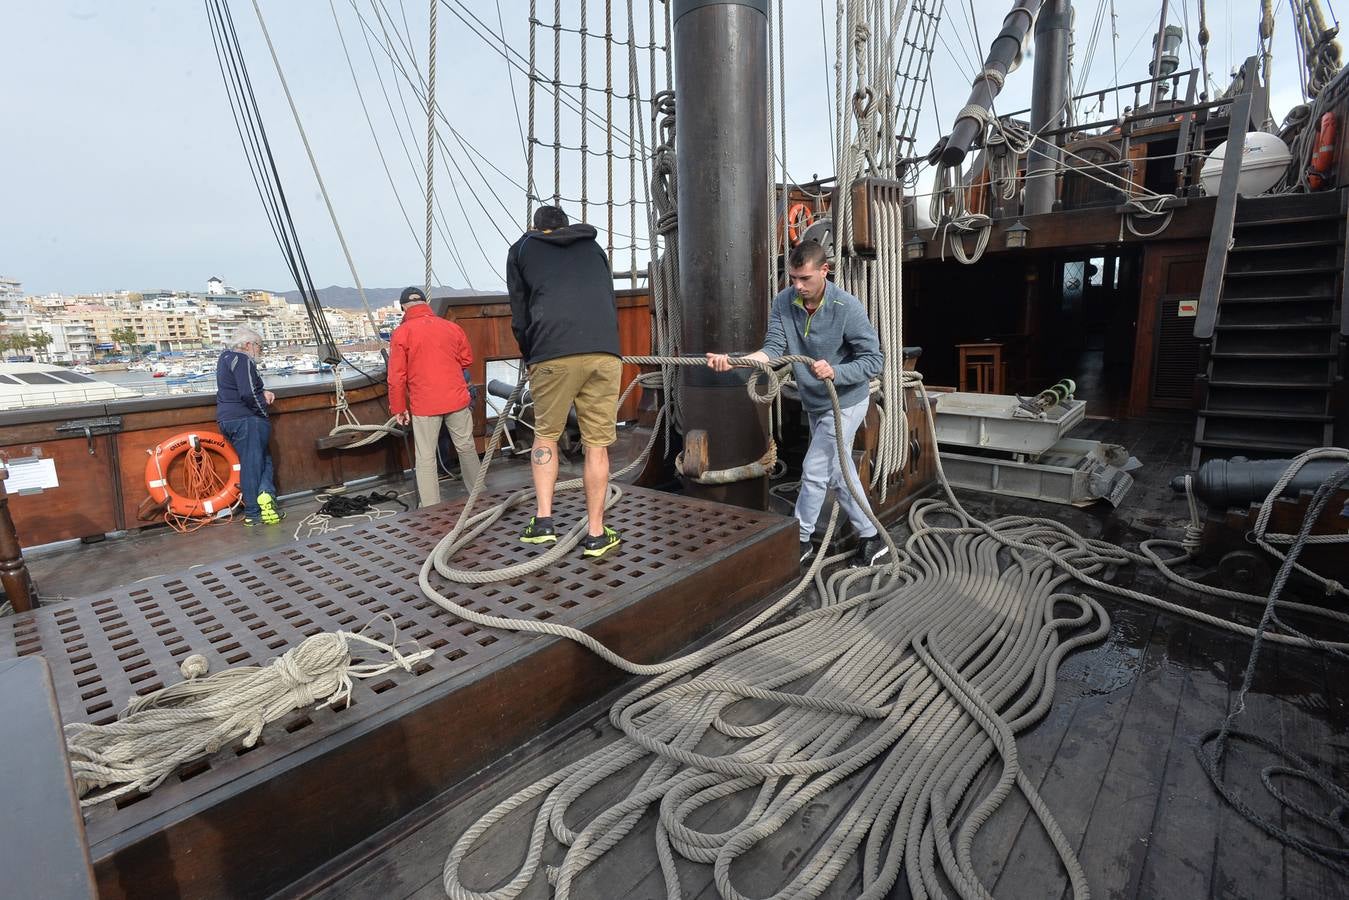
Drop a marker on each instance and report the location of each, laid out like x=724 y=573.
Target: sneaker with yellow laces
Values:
x=599 y=544
x=271 y=515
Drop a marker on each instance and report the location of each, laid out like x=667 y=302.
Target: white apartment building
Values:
x=72 y=341
x=347 y=326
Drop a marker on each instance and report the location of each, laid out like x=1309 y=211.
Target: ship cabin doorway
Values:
x=1090 y=321
x=1069 y=313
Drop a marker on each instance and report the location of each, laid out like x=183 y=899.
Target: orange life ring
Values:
x=799 y=218
x=1323 y=157
x=163 y=456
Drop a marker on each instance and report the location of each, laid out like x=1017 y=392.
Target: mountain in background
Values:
x=338 y=297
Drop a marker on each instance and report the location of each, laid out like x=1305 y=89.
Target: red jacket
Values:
x=427 y=358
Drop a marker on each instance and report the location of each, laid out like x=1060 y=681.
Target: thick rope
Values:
x=157 y=733
x=430 y=140
x=923 y=669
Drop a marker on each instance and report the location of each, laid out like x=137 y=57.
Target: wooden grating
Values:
x=106 y=648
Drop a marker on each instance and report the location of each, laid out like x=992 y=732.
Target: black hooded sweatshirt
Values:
x=562 y=294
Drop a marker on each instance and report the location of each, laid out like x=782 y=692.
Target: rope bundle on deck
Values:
x=917 y=675
x=159 y=732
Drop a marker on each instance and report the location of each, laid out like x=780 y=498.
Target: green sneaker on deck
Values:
x=600 y=544
x=270 y=514
x=537 y=532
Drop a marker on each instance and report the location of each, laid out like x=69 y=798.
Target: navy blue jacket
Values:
x=238 y=387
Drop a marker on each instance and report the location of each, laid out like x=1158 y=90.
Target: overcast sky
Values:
x=122 y=168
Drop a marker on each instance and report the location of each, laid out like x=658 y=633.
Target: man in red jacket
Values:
x=428 y=356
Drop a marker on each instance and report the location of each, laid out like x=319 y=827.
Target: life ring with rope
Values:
x=1323 y=157
x=202 y=474
x=799 y=217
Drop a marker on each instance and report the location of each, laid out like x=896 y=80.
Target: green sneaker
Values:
x=271 y=515
x=538 y=533
x=600 y=544
x=249 y=522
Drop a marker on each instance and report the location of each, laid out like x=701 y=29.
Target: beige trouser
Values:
x=426 y=434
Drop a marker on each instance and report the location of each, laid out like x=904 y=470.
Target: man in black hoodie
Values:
x=565 y=320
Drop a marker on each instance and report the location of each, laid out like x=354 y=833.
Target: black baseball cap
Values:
x=411 y=295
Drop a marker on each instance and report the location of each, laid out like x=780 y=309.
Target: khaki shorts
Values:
x=591 y=381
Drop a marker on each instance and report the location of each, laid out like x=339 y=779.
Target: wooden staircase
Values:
x=1271 y=388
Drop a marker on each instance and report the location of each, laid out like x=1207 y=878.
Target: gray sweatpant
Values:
x=819 y=471
x=425 y=436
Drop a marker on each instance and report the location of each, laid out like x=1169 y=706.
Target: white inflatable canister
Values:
x=1264 y=159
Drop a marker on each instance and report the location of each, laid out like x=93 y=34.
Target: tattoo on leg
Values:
x=541 y=456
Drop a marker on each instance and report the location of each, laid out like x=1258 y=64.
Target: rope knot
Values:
x=195 y=666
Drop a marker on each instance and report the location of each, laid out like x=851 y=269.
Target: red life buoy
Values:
x=799 y=218
x=164 y=455
x=1323 y=157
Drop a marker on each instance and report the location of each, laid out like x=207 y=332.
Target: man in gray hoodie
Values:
x=816 y=318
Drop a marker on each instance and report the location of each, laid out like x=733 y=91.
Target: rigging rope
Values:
x=262 y=164
x=430 y=139
x=313 y=163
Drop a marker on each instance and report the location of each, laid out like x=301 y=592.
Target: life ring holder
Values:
x=164 y=454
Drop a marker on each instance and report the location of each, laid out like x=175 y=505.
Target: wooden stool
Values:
x=984 y=361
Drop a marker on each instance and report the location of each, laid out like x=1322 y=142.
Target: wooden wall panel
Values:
x=487 y=323
x=100 y=493
x=84 y=503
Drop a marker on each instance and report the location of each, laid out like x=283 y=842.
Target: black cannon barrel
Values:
x=498 y=388
x=1239 y=482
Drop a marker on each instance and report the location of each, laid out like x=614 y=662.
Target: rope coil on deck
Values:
x=923 y=670
x=160 y=731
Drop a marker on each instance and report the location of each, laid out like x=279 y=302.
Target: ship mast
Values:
x=721 y=87
x=1003 y=56
x=1049 y=101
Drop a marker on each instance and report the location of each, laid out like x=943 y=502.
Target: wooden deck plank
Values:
x=1036 y=749
x=1248 y=863
x=1305 y=730
x=1117 y=836
x=1179 y=859
x=1073 y=781
x=416 y=859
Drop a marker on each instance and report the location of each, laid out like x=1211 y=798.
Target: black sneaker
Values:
x=600 y=544
x=807 y=552
x=537 y=532
x=872 y=551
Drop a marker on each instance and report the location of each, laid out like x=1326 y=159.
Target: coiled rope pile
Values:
x=159 y=732
x=922 y=670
